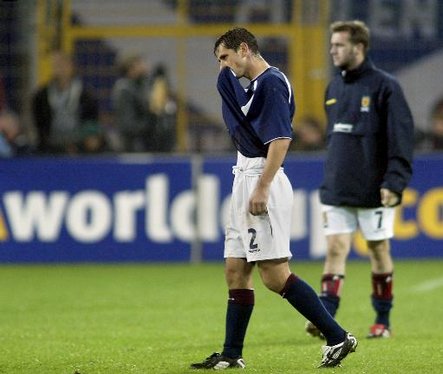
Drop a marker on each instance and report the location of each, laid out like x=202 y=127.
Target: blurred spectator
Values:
x=309 y=135
x=436 y=131
x=131 y=97
x=92 y=139
x=62 y=107
x=164 y=109
x=12 y=141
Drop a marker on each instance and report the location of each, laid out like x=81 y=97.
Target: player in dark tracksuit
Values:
x=369 y=138
x=367 y=168
x=258 y=230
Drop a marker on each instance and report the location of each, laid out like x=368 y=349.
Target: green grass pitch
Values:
x=158 y=318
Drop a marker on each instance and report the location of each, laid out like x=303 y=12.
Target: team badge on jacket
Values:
x=365 y=102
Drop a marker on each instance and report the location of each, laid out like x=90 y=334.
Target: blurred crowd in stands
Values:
x=309 y=135
x=65 y=113
x=144 y=108
x=432 y=140
x=66 y=121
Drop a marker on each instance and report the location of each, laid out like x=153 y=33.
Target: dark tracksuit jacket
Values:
x=369 y=138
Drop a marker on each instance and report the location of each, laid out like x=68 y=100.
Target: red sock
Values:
x=382 y=286
x=331 y=284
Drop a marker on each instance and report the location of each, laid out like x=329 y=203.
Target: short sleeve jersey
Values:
x=258 y=114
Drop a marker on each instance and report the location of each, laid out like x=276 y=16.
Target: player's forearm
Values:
x=276 y=155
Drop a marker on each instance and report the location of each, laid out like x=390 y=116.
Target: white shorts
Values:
x=374 y=223
x=258 y=238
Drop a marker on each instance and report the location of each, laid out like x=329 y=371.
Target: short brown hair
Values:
x=358 y=32
x=234 y=37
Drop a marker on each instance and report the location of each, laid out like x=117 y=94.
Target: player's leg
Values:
x=382 y=283
x=238 y=274
x=377 y=227
x=334 y=269
x=338 y=223
x=277 y=276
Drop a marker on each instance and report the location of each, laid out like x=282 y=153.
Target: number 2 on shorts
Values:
x=252 y=244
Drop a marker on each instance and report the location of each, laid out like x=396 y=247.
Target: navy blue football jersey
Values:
x=258 y=114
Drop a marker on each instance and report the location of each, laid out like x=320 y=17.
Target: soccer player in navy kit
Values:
x=259 y=122
x=368 y=165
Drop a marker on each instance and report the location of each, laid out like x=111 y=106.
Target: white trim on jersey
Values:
x=280 y=137
x=289 y=86
x=245 y=108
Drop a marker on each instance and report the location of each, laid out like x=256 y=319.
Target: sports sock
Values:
x=331 y=285
x=303 y=298
x=239 y=310
x=382 y=297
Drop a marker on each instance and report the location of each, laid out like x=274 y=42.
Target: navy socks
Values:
x=303 y=298
x=240 y=306
x=298 y=293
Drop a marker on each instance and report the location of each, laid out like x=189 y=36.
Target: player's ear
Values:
x=243 y=48
x=360 y=48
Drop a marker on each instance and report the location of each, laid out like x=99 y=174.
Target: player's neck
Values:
x=258 y=66
x=356 y=63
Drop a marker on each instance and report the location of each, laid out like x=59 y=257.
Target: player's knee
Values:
x=336 y=249
x=236 y=278
x=274 y=274
x=232 y=277
x=273 y=285
x=273 y=281
x=379 y=249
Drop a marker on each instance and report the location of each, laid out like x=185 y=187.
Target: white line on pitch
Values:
x=428 y=285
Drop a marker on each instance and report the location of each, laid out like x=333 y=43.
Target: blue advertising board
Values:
x=174 y=208
x=64 y=210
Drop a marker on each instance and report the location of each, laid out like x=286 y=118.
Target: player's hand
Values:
x=388 y=198
x=258 y=202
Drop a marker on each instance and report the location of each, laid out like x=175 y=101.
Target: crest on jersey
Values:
x=365 y=103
